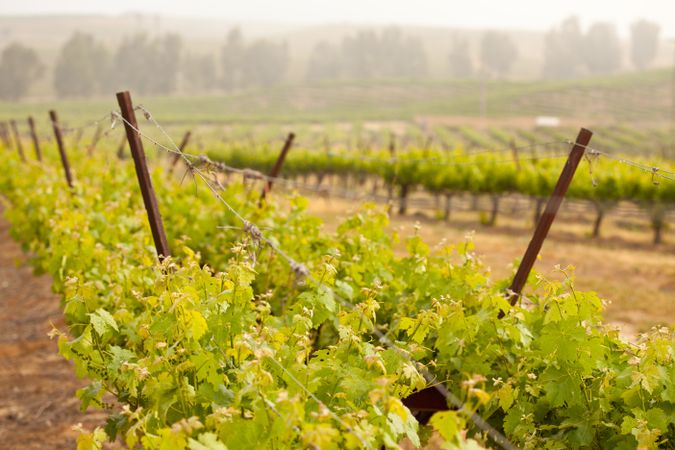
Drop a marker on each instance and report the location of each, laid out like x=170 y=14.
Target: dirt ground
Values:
x=38 y=407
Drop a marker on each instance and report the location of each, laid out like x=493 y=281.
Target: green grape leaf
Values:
x=206 y=441
x=561 y=387
x=448 y=424
x=102 y=321
x=198 y=325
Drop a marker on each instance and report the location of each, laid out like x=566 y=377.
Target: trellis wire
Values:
x=86 y=126
x=302 y=272
x=655 y=171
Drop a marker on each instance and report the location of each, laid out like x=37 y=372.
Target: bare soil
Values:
x=38 y=407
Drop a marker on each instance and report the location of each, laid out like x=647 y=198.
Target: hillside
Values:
x=644 y=98
x=47 y=33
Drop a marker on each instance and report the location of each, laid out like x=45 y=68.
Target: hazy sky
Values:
x=529 y=14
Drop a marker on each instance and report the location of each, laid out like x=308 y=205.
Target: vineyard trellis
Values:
x=300 y=269
x=451 y=175
x=375 y=164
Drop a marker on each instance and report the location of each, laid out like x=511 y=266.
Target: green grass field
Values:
x=643 y=98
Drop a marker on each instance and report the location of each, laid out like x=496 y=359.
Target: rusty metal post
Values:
x=62 y=151
x=17 y=139
x=547 y=218
x=277 y=165
x=36 y=142
x=181 y=147
x=144 y=181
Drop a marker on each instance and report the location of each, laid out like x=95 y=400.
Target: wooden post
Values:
x=514 y=150
x=4 y=135
x=533 y=146
x=428 y=142
x=547 y=218
x=429 y=399
x=17 y=139
x=176 y=157
x=62 y=151
x=277 y=165
x=326 y=143
x=120 y=148
x=78 y=138
x=144 y=181
x=97 y=137
x=36 y=142
x=390 y=185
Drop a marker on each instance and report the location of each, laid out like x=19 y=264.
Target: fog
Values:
x=70 y=48
x=516 y=14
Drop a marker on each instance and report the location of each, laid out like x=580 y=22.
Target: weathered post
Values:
x=62 y=151
x=514 y=151
x=144 y=181
x=547 y=218
x=120 y=148
x=4 y=135
x=429 y=399
x=94 y=141
x=36 y=142
x=390 y=184
x=181 y=147
x=17 y=139
x=78 y=138
x=277 y=166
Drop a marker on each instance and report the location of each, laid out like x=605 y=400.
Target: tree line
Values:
x=149 y=65
x=160 y=65
x=569 y=51
x=369 y=54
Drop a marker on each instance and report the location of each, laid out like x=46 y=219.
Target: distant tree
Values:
x=148 y=66
x=166 y=57
x=81 y=67
x=20 y=66
x=459 y=58
x=498 y=52
x=131 y=64
x=602 y=48
x=563 y=50
x=260 y=63
x=644 y=43
x=199 y=72
x=389 y=54
x=399 y=55
x=265 y=63
x=324 y=62
x=232 y=56
x=359 y=55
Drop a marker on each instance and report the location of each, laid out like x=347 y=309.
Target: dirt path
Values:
x=38 y=406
